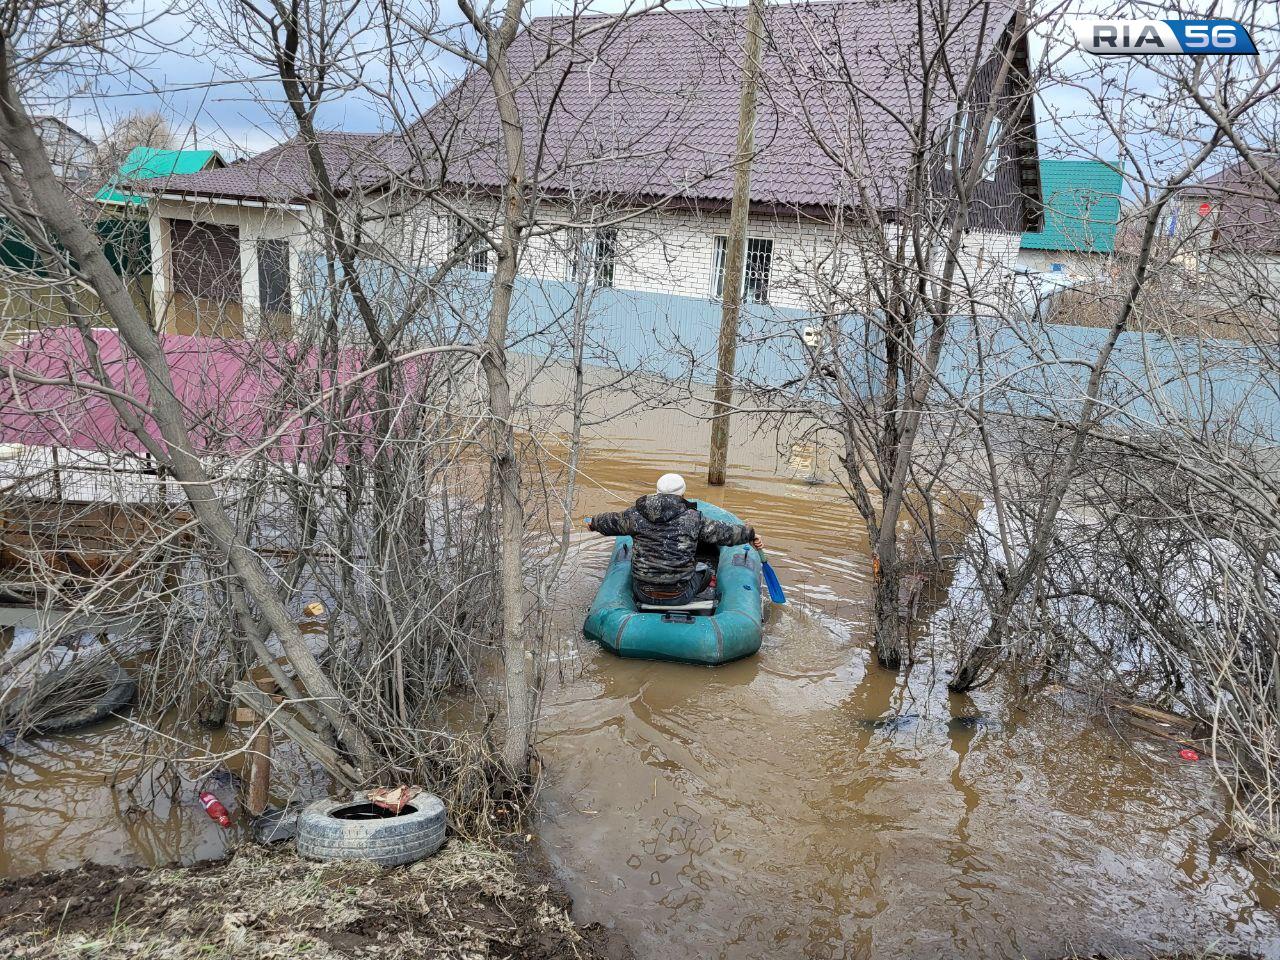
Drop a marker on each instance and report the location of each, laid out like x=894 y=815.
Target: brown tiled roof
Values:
x=1247 y=215
x=279 y=175
x=649 y=107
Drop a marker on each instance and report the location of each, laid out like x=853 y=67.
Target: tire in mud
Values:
x=79 y=696
x=326 y=831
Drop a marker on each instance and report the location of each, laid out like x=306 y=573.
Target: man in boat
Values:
x=667 y=530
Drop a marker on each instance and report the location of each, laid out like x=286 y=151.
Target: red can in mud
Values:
x=214 y=808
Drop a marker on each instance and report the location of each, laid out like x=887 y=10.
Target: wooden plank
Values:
x=307 y=741
x=1159 y=716
x=259 y=771
x=1160 y=730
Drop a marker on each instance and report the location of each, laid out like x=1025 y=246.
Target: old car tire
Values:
x=108 y=690
x=326 y=831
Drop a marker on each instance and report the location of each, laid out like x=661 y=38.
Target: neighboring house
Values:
x=123 y=205
x=229 y=244
x=146 y=163
x=1213 y=262
x=1228 y=227
x=120 y=220
x=70 y=152
x=126 y=211
x=632 y=130
x=27 y=299
x=1081 y=210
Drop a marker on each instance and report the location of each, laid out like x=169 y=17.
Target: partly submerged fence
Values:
x=1019 y=368
x=1030 y=368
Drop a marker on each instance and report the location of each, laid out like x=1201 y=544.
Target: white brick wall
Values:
x=665 y=252
x=672 y=252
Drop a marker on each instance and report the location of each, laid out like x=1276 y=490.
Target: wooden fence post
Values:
x=260 y=756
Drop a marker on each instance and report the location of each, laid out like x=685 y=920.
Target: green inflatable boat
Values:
x=711 y=632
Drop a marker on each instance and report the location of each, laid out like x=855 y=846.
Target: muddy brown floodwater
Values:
x=59 y=807
x=798 y=804
x=770 y=809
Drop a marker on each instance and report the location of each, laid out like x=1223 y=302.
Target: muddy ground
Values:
x=469 y=901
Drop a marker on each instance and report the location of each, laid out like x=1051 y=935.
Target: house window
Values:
x=755 y=272
x=205 y=258
x=960 y=135
x=273 y=276
x=963 y=132
x=991 y=158
x=478 y=256
x=593 y=255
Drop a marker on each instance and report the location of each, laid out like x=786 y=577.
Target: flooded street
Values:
x=797 y=804
x=775 y=808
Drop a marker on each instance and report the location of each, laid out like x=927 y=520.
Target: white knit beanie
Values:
x=671 y=483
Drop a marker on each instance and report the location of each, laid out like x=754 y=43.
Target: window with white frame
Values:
x=478 y=254
x=962 y=131
x=960 y=137
x=756 y=267
x=592 y=256
x=991 y=158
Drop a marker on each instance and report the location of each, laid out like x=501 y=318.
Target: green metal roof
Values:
x=1081 y=207
x=143 y=163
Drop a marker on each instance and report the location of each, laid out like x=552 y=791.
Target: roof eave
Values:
x=192 y=196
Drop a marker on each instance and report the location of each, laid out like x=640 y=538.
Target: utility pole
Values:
x=736 y=247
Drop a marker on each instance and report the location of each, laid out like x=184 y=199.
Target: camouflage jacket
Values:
x=667 y=530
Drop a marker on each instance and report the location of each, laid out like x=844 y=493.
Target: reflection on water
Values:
x=60 y=807
x=804 y=803
x=102 y=797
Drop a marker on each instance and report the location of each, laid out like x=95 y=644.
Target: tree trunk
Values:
x=517 y=653
x=177 y=451
x=888 y=625
x=735 y=250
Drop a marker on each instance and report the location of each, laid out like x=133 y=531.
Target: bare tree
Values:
x=138 y=129
x=377 y=511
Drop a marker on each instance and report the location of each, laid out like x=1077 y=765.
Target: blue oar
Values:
x=771 y=581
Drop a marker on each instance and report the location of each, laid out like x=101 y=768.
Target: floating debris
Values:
x=214 y=808
x=901 y=722
x=973 y=723
x=896 y=723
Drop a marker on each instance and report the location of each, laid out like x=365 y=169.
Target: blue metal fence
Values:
x=1153 y=381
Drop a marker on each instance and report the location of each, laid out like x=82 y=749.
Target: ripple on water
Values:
x=805 y=804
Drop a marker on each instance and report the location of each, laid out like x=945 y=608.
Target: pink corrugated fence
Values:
x=240 y=396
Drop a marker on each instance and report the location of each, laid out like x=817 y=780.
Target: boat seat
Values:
x=693 y=605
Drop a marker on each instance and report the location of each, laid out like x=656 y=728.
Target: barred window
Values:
x=756 y=269
x=592 y=258
x=478 y=256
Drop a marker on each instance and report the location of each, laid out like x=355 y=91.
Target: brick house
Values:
x=631 y=155
x=1228 y=227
